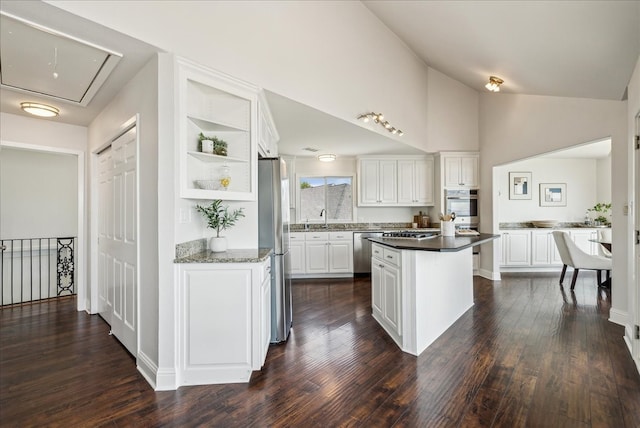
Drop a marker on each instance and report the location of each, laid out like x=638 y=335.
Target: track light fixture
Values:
x=379 y=118
x=494 y=84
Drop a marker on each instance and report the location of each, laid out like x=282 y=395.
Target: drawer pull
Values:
x=389 y=257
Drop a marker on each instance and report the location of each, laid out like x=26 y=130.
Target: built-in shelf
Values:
x=207 y=157
x=221 y=106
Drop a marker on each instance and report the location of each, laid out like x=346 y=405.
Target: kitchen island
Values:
x=421 y=287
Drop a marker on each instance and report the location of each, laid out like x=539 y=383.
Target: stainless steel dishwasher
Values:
x=362 y=251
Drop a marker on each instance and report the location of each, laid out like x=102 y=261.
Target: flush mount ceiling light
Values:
x=494 y=84
x=327 y=157
x=38 y=109
x=379 y=118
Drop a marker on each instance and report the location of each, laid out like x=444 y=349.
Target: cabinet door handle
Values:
x=389 y=257
x=381 y=266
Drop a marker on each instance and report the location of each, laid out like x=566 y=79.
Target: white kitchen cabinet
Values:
x=543 y=249
x=327 y=253
x=267 y=133
x=340 y=252
x=221 y=106
x=386 y=290
x=460 y=169
x=225 y=321
x=297 y=252
x=516 y=247
x=317 y=252
x=377 y=182
x=415 y=182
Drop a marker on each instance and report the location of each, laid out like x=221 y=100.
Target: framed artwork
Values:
x=519 y=185
x=553 y=194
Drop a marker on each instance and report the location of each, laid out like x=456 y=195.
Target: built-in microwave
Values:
x=463 y=202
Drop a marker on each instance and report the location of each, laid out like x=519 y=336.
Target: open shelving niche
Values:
x=216 y=105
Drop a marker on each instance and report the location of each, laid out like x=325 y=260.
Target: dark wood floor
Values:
x=528 y=354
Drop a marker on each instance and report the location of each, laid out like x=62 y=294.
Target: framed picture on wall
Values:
x=519 y=185
x=553 y=195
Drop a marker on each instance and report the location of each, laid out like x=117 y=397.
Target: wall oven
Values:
x=463 y=202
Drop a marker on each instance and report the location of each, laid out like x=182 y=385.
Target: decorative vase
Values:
x=218 y=244
x=207 y=146
x=225 y=177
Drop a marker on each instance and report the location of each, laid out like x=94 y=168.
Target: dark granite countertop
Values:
x=440 y=243
x=357 y=227
x=229 y=256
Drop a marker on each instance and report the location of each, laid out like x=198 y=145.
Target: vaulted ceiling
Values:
x=560 y=48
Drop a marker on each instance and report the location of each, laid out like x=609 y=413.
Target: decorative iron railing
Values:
x=36 y=268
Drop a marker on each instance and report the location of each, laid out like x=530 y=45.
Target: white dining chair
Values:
x=573 y=256
x=604 y=235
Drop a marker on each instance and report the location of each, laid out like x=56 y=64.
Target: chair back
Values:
x=561 y=239
x=604 y=235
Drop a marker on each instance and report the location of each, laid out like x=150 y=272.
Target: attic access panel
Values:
x=31 y=55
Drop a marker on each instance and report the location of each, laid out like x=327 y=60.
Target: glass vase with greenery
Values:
x=601 y=212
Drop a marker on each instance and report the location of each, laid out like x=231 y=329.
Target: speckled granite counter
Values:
x=565 y=225
x=439 y=243
x=357 y=227
x=196 y=252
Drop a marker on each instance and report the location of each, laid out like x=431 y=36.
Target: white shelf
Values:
x=213 y=126
x=206 y=157
x=217 y=105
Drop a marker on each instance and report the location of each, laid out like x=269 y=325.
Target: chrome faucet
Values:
x=323 y=213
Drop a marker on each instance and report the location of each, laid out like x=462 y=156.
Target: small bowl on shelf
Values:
x=545 y=223
x=207 y=184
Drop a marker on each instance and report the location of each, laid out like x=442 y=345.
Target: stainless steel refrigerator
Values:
x=273 y=212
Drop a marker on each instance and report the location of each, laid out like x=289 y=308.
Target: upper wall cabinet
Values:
x=396 y=181
x=267 y=133
x=460 y=169
x=224 y=109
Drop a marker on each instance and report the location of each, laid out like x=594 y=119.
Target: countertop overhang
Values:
x=440 y=243
x=230 y=256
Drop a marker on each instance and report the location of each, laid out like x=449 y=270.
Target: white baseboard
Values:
x=147 y=368
x=160 y=380
x=619 y=317
x=489 y=274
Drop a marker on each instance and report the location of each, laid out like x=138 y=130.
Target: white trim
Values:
x=81 y=280
x=619 y=317
x=490 y=275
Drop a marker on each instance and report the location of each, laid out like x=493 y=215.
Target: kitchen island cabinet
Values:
x=419 y=288
x=224 y=316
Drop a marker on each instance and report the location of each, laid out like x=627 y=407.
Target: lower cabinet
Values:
x=386 y=290
x=318 y=254
x=224 y=320
x=536 y=248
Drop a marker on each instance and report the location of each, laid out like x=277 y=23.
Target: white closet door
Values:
x=118 y=246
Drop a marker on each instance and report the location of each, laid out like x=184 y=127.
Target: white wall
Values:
x=452 y=114
x=515 y=127
x=577 y=174
x=603 y=181
x=139 y=97
x=311 y=52
x=38 y=194
x=633 y=220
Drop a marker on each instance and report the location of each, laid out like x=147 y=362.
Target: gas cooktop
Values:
x=407 y=234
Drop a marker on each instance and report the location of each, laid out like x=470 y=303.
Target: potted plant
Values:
x=219 y=218
x=601 y=211
x=212 y=144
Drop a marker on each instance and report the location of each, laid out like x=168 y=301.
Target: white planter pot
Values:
x=218 y=245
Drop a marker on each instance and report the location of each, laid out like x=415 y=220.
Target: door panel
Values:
x=117 y=244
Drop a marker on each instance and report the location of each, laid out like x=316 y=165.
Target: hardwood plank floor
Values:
x=528 y=354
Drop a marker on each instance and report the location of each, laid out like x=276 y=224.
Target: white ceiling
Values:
x=584 y=49
x=560 y=48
